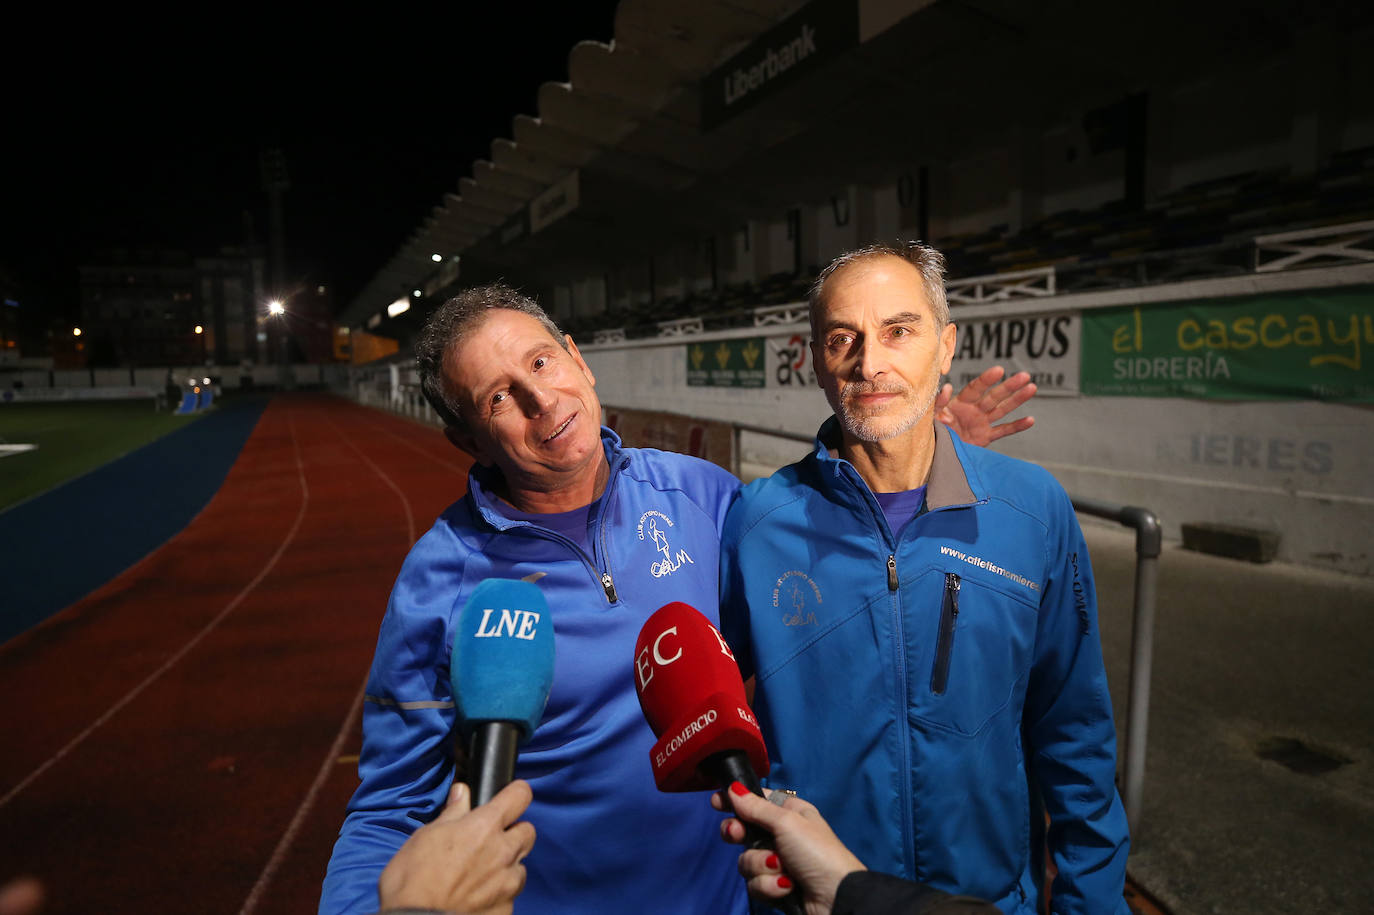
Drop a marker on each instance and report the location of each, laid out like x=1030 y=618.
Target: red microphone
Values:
x=690 y=690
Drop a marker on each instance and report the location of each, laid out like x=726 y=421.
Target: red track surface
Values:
x=183 y=739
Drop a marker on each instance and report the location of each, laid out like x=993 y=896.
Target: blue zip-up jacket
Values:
x=928 y=694
x=608 y=841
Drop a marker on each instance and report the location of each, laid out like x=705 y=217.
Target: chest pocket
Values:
x=969 y=646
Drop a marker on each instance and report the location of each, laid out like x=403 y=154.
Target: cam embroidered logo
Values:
x=793 y=593
x=654 y=526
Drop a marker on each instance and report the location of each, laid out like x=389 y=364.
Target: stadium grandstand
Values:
x=1126 y=195
x=1164 y=212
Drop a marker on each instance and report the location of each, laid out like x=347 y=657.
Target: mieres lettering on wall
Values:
x=1278 y=455
x=1306 y=345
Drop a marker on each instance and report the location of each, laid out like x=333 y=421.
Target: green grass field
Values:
x=72 y=438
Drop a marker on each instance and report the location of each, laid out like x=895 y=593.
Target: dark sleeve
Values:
x=734 y=609
x=1071 y=736
x=872 y=893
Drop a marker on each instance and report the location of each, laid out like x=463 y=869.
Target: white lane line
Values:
x=326 y=768
x=424 y=451
x=331 y=758
x=195 y=640
x=405 y=503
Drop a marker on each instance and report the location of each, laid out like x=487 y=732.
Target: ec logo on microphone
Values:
x=645 y=670
x=519 y=624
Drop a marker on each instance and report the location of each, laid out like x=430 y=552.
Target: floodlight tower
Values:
x=275 y=182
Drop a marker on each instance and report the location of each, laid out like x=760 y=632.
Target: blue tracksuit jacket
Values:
x=608 y=841
x=928 y=694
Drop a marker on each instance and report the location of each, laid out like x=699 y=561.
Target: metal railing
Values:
x=1148 y=542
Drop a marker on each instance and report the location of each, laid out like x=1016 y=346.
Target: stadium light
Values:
x=275 y=307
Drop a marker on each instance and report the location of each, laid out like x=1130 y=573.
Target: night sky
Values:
x=150 y=134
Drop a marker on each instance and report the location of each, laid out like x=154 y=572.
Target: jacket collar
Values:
x=483 y=481
x=948 y=483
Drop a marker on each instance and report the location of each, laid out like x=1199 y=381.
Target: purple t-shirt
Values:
x=572 y=524
x=901 y=507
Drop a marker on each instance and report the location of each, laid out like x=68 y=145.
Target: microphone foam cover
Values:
x=502 y=663
x=691 y=693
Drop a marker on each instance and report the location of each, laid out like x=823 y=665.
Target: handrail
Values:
x=1148 y=540
x=1148 y=543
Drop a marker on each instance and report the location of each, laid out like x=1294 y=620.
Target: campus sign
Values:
x=1311 y=345
x=1046 y=346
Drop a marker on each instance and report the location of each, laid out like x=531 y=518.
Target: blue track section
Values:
x=58 y=547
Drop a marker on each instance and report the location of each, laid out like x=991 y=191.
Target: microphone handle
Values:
x=733 y=766
x=491 y=761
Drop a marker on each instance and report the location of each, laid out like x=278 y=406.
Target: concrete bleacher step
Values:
x=1231 y=540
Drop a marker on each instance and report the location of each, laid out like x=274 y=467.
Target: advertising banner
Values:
x=726 y=363
x=1046 y=346
x=1304 y=346
x=800 y=44
x=707 y=439
x=789 y=362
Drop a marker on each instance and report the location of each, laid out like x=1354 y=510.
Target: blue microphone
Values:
x=501 y=673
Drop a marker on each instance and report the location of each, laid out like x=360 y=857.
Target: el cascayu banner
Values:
x=1311 y=345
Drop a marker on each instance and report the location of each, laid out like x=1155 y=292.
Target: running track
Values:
x=184 y=739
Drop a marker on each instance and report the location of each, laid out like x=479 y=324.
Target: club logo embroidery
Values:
x=793 y=594
x=654 y=526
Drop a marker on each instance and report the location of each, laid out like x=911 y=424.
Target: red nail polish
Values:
x=738 y=789
x=784 y=883
x=771 y=862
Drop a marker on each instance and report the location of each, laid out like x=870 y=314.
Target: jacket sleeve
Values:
x=734 y=609
x=874 y=893
x=406 y=764
x=1069 y=730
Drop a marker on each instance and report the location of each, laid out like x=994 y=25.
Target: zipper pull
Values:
x=892 y=582
x=609 y=587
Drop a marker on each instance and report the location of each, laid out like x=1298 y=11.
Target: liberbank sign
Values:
x=798 y=45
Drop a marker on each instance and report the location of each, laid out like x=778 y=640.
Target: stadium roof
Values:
x=917 y=81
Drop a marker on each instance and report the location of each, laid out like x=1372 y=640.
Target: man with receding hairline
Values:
x=920 y=620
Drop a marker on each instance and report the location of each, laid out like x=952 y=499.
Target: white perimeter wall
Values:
x=1302 y=468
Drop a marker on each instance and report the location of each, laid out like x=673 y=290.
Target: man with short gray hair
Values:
x=921 y=622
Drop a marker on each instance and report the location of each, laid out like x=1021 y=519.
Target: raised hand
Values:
x=973 y=415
